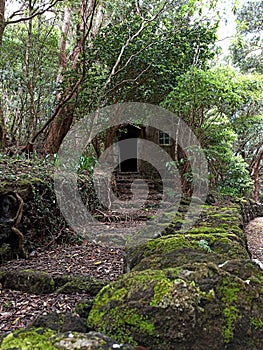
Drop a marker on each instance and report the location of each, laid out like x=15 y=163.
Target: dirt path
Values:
x=254 y=232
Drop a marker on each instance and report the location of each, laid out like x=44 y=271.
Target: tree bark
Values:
x=2 y=20
x=256 y=177
x=65 y=116
x=2 y=120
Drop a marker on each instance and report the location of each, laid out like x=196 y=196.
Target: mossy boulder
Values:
x=33 y=181
x=198 y=245
x=195 y=306
x=46 y=339
x=31 y=281
x=40 y=282
x=67 y=322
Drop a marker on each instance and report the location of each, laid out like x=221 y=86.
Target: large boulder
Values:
x=197 y=306
x=193 y=290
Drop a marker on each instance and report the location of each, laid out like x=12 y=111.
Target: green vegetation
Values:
x=217 y=104
x=229 y=294
x=256 y=322
x=62 y=60
x=28 y=340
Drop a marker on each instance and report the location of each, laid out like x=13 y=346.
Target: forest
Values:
x=62 y=60
x=131 y=174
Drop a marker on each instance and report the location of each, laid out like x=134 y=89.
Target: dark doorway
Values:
x=128 y=151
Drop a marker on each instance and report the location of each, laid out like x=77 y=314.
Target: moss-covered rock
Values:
x=40 y=282
x=31 y=281
x=80 y=284
x=217 y=236
x=46 y=339
x=61 y=322
x=176 y=250
x=195 y=306
x=228 y=218
x=39 y=339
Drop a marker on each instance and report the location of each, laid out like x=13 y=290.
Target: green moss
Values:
x=113 y=311
x=36 y=339
x=111 y=304
x=52 y=283
x=125 y=320
x=229 y=296
x=167 y=244
x=220 y=243
x=162 y=290
x=231 y=314
x=207 y=230
x=256 y=322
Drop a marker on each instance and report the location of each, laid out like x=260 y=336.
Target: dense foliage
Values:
x=59 y=60
x=247 y=47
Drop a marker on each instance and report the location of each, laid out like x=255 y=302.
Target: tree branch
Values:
x=128 y=41
x=36 y=12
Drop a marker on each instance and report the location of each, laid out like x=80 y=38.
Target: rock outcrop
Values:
x=186 y=291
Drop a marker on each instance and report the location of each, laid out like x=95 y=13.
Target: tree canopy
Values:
x=60 y=60
x=248 y=44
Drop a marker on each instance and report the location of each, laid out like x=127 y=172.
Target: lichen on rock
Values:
x=46 y=339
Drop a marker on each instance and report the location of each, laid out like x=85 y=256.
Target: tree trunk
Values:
x=2 y=120
x=59 y=128
x=2 y=128
x=62 y=122
x=2 y=20
x=255 y=173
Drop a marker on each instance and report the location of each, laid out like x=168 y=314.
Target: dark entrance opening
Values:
x=128 y=150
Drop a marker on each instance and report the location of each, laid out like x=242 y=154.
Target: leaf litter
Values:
x=19 y=309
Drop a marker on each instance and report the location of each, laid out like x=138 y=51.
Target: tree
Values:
x=28 y=79
x=101 y=53
x=2 y=120
x=247 y=47
x=215 y=104
x=25 y=14
x=63 y=115
x=132 y=58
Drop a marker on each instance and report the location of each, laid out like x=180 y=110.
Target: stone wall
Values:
x=251 y=210
x=188 y=290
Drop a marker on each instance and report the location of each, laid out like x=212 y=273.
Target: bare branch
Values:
x=133 y=56
x=128 y=81
x=36 y=12
x=128 y=41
